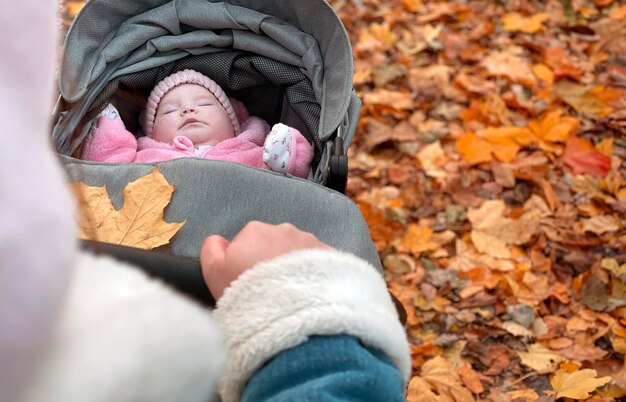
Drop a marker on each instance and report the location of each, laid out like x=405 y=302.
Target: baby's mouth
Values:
x=189 y=121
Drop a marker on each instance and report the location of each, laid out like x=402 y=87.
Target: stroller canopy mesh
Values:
x=145 y=34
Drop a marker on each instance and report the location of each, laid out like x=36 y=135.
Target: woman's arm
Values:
x=281 y=288
x=327 y=368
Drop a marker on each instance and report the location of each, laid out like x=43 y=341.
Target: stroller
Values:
x=286 y=60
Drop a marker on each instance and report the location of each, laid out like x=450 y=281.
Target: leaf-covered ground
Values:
x=488 y=163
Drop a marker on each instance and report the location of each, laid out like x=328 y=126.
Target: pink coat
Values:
x=109 y=141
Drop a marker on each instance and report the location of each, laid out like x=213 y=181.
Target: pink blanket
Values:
x=109 y=141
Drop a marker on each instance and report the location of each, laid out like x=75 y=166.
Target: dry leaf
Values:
x=540 y=359
x=393 y=99
x=139 y=223
x=516 y=329
x=584 y=158
x=528 y=395
x=432 y=158
x=553 y=127
x=471 y=378
x=492 y=233
x=578 y=384
x=503 y=64
x=438 y=382
x=474 y=149
x=610 y=264
x=544 y=73
x=590 y=101
x=600 y=224
x=514 y=21
x=618 y=13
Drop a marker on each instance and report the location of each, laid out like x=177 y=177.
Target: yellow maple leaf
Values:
x=578 y=384
x=517 y=22
x=139 y=223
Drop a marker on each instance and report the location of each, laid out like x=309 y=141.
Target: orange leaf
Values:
x=516 y=22
x=554 y=128
x=470 y=378
x=583 y=158
x=418 y=239
x=412 y=5
x=503 y=141
x=474 y=149
x=618 y=13
x=543 y=72
x=394 y=99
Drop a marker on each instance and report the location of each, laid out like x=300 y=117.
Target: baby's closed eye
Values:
x=169 y=109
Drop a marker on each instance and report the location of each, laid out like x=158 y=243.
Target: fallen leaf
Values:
x=600 y=224
x=139 y=223
x=503 y=64
x=417 y=239
x=438 y=382
x=544 y=73
x=470 y=378
x=590 y=101
x=468 y=258
x=618 y=13
x=595 y=295
x=492 y=232
x=393 y=99
x=553 y=127
x=515 y=21
x=540 y=359
x=610 y=264
x=432 y=158
x=578 y=384
x=516 y=329
x=474 y=149
x=528 y=395
x=583 y=158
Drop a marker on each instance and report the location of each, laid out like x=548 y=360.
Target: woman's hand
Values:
x=223 y=261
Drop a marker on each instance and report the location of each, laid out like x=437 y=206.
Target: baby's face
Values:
x=192 y=110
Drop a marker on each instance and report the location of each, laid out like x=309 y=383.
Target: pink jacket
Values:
x=109 y=141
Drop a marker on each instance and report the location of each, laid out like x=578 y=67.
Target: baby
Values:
x=189 y=115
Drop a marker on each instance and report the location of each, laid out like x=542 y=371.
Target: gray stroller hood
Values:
x=116 y=38
x=256 y=50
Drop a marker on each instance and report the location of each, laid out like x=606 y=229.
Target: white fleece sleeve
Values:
x=278 y=304
x=123 y=336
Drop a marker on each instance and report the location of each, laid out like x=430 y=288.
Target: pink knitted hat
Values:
x=179 y=78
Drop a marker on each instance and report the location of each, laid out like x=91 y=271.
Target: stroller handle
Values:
x=183 y=274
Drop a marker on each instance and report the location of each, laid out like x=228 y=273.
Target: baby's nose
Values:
x=188 y=109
